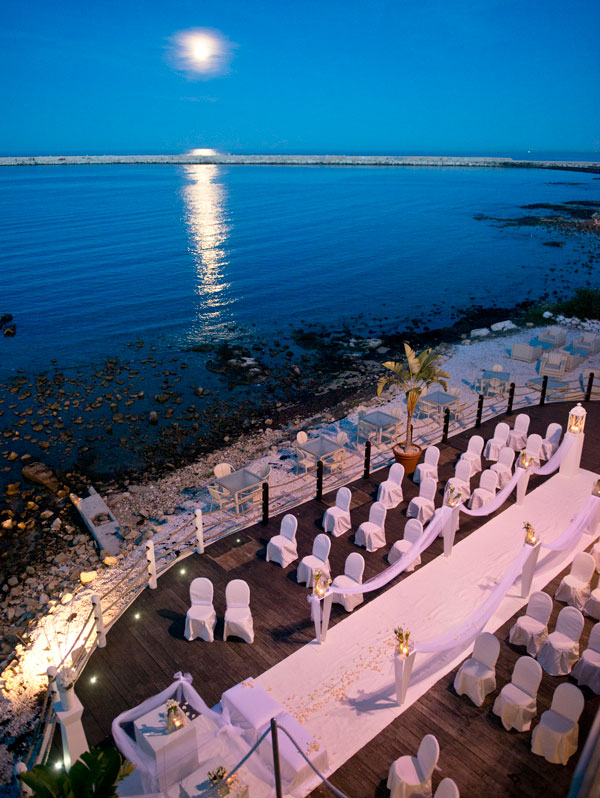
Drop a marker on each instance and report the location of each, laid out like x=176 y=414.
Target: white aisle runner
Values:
x=343 y=691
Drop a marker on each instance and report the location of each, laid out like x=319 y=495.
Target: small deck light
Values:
x=93 y=679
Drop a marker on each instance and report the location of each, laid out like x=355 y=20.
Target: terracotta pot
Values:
x=409 y=461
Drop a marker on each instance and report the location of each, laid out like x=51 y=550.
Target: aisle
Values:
x=343 y=691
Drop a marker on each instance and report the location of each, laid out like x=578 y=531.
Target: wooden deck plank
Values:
x=141 y=655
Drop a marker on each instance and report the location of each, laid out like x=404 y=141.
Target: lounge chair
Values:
x=525 y=352
x=553 y=364
x=554 y=335
x=588 y=341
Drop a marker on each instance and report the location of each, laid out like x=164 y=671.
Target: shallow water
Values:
x=94 y=256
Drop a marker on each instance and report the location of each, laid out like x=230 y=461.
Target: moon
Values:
x=200 y=52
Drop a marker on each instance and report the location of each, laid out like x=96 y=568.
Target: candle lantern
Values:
x=596 y=489
x=530 y=536
x=577 y=419
x=525 y=460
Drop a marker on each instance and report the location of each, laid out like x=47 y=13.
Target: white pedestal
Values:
x=403 y=666
x=522 y=486
x=71 y=729
x=450 y=529
x=529 y=570
x=570 y=465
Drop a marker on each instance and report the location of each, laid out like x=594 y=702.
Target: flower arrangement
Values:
x=530 y=536
x=66 y=678
x=453 y=497
x=175 y=717
x=320 y=587
x=402 y=636
x=524 y=460
x=217 y=775
x=219 y=779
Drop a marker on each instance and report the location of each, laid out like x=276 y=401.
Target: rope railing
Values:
x=426 y=431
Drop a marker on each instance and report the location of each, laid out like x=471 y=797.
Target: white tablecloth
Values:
x=250 y=707
x=295 y=771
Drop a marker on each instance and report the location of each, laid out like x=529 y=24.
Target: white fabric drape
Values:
x=582 y=521
x=464 y=632
x=490 y=507
x=557 y=458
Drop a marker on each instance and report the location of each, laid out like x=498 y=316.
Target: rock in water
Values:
x=5 y=318
x=10 y=330
x=153 y=417
x=40 y=474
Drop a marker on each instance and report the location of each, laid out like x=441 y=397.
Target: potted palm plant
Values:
x=419 y=372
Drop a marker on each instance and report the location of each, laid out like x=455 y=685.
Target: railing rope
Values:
x=152 y=584
x=99 y=622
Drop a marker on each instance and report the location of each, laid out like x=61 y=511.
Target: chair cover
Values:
x=238 y=618
x=371 y=533
x=503 y=466
x=473 y=453
x=498 y=442
x=488 y=484
x=460 y=481
x=429 y=467
x=336 y=520
x=557 y=734
x=412 y=532
x=587 y=667
x=390 y=492
x=596 y=555
x=560 y=651
x=533 y=446
x=477 y=676
x=516 y=706
x=592 y=605
x=531 y=629
x=201 y=617
x=422 y=506
x=574 y=588
x=517 y=437
x=353 y=575
x=282 y=548
x=317 y=561
x=447 y=789
x=411 y=775
x=551 y=441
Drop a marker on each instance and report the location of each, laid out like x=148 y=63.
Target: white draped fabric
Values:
x=558 y=456
x=580 y=524
x=499 y=498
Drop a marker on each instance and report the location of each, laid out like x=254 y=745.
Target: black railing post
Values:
x=276 y=768
x=319 y=495
x=511 y=398
x=479 y=410
x=544 y=389
x=265 y=503
x=446 y=425
x=588 y=390
x=367 y=470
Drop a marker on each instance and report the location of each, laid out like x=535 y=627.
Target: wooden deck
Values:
x=146 y=647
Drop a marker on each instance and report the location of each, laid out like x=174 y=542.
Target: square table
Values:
x=320 y=447
x=489 y=374
x=175 y=753
x=239 y=483
x=380 y=420
x=250 y=707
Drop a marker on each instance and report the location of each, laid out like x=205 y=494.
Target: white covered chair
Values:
x=336 y=520
x=238 y=618
x=411 y=775
x=561 y=649
x=516 y=706
x=473 y=453
x=447 y=789
x=422 y=506
x=503 y=466
x=282 y=548
x=533 y=447
x=413 y=530
x=557 y=734
x=460 y=481
x=587 y=667
x=477 y=676
x=488 y=485
x=429 y=466
x=317 y=561
x=517 y=437
x=575 y=587
x=353 y=575
x=223 y=469
x=531 y=629
x=495 y=445
x=201 y=617
x=551 y=441
x=390 y=492
x=371 y=533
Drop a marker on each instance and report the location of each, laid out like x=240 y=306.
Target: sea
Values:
x=93 y=257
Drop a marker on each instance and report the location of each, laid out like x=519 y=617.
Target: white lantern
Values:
x=577 y=419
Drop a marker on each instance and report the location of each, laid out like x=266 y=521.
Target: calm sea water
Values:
x=92 y=257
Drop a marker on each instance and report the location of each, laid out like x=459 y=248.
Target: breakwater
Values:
x=298 y=160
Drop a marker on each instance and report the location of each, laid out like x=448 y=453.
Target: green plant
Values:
x=95 y=774
x=419 y=373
